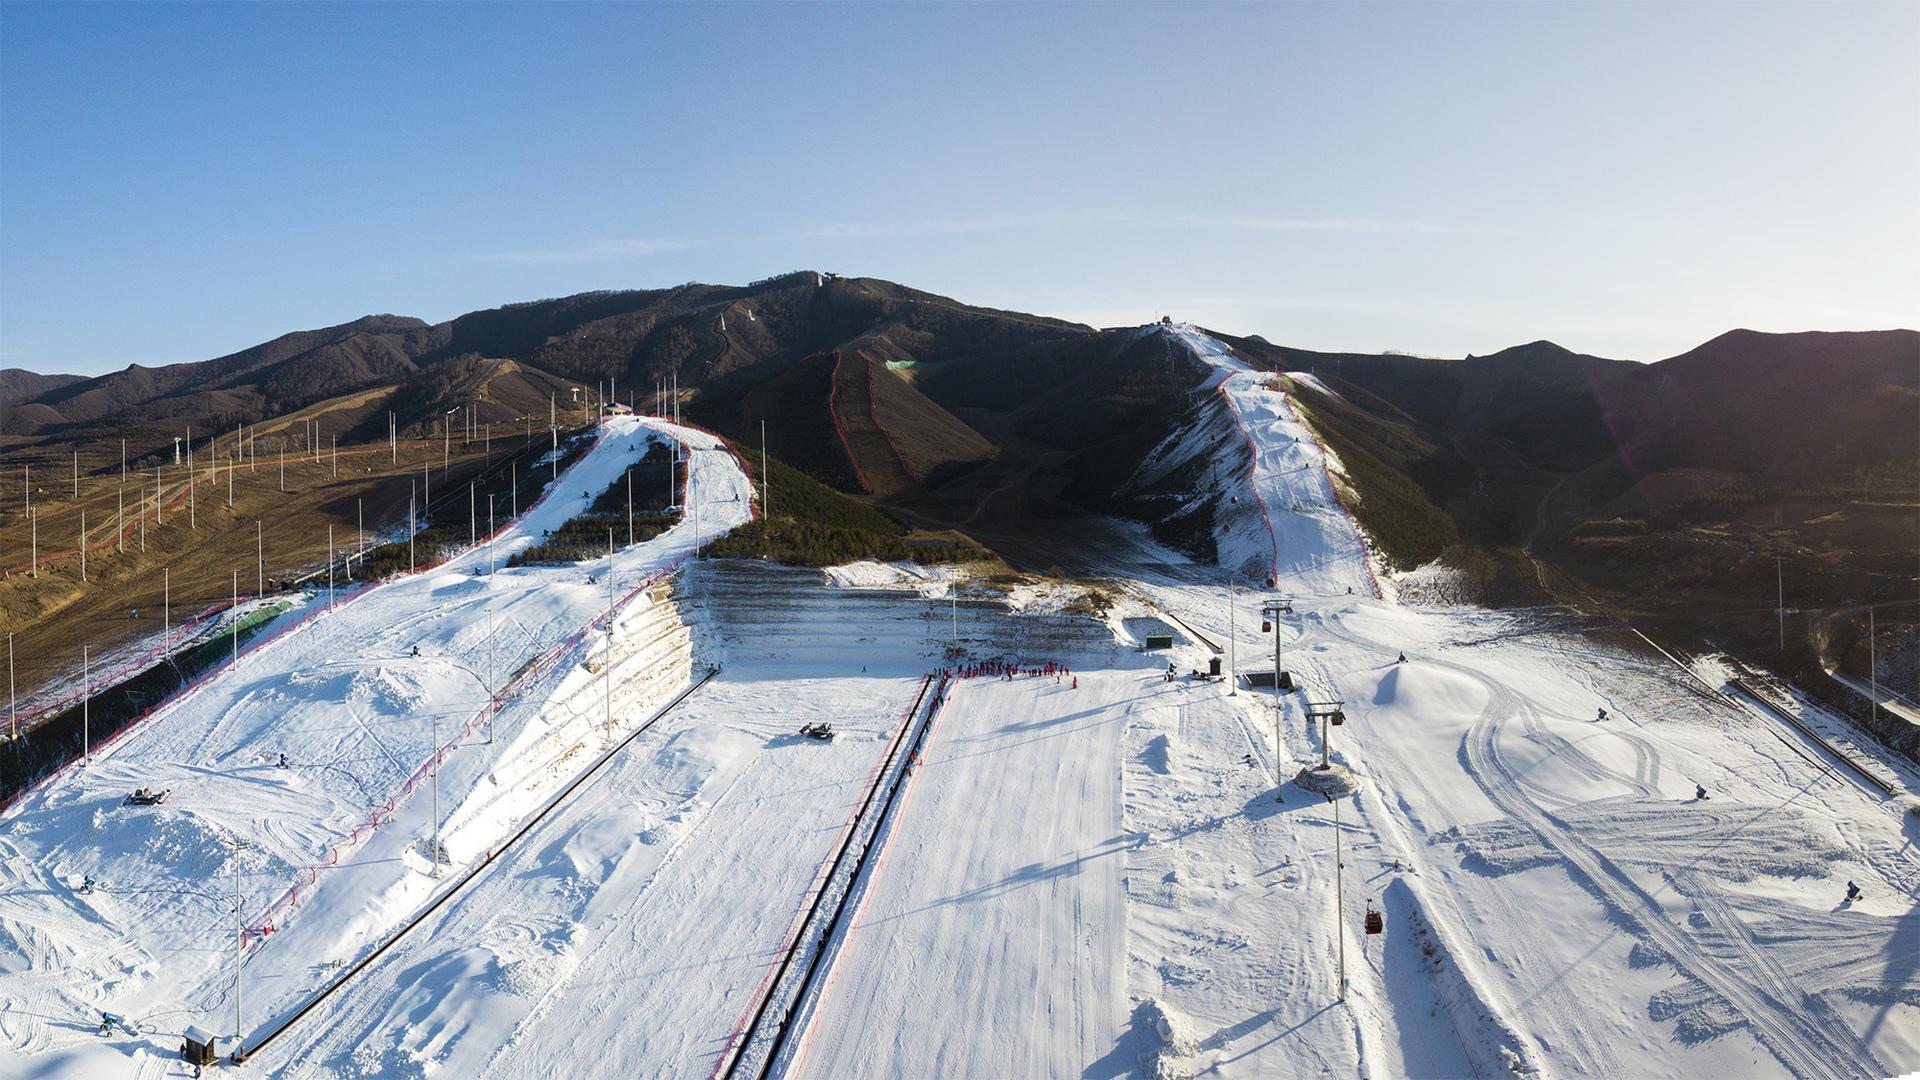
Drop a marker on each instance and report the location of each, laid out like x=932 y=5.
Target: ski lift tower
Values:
x=1331 y=714
x=1270 y=613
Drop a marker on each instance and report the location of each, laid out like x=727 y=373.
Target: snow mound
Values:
x=1173 y=1037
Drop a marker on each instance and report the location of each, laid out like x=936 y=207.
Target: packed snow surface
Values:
x=1102 y=870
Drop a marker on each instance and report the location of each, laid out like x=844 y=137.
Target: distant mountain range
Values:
x=898 y=394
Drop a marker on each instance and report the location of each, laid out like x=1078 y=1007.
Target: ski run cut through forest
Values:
x=652 y=815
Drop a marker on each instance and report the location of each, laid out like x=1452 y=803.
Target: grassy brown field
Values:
x=196 y=538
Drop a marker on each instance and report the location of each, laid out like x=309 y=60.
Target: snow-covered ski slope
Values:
x=1119 y=878
x=336 y=838
x=1579 y=911
x=1276 y=516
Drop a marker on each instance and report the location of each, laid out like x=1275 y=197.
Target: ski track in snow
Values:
x=1098 y=880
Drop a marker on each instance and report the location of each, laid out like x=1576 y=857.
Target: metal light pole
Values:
x=763 y=470
x=606 y=667
x=1233 y=647
x=13 y=713
x=1780 y=582
x=86 y=712
x=491 y=704
x=434 y=855
x=260 y=557
x=1873 y=666
x=239 y=937
x=1339 y=908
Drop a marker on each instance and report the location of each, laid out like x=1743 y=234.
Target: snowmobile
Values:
x=149 y=796
x=822 y=731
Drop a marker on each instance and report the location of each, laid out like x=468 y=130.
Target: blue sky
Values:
x=178 y=181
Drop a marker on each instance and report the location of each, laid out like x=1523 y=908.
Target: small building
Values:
x=202 y=1047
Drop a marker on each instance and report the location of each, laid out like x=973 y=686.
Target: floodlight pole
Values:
x=1339 y=908
x=260 y=557
x=86 y=712
x=1233 y=646
x=434 y=855
x=412 y=495
x=1780 y=583
x=235 y=615
x=606 y=666
x=763 y=470
x=239 y=938
x=492 y=706
x=13 y=711
x=1873 y=667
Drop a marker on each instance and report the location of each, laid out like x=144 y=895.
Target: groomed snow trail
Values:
x=989 y=940
x=1316 y=549
x=356 y=712
x=1578 y=911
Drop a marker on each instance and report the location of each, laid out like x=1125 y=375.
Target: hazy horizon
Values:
x=180 y=182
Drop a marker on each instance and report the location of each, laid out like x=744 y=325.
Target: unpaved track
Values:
x=1800 y=1028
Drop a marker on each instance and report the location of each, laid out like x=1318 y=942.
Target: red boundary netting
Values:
x=1286 y=402
x=1253 y=464
x=1366 y=549
x=874 y=415
x=529 y=673
x=833 y=413
x=790 y=940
